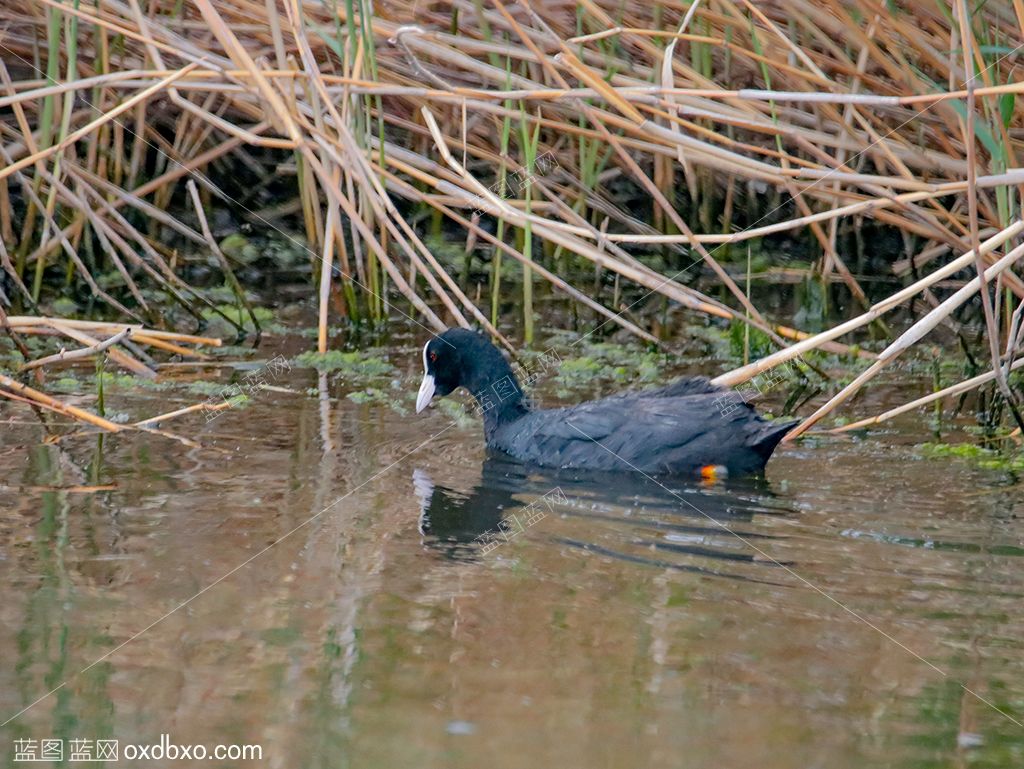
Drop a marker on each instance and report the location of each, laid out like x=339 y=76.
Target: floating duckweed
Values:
x=379 y=397
x=64 y=307
x=348 y=364
x=241 y=399
x=579 y=370
x=239 y=314
x=66 y=384
x=456 y=411
x=608 y=362
x=313 y=332
x=224 y=295
x=238 y=247
x=965 y=450
x=207 y=388
x=234 y=351
x=999 y=462
x=987 y=459
x=113 y=379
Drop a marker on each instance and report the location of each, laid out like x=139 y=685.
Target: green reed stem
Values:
x=529 y=148
x=506 y=132
x=71 y=37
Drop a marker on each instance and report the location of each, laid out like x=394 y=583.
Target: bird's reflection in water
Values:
x=664 y=523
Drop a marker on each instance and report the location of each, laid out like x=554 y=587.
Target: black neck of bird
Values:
x=497 y=393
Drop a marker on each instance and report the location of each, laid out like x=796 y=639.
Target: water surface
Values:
x=311 y=580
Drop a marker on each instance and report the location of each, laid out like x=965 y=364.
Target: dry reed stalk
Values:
x=749 y=371
x=52 y=403
x=119 y=334
x=958 y=389
x=908 y=338
x=23 y=322
x=63 y=356
x=846 y=114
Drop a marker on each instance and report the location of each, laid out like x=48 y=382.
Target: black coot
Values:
x=681 y=428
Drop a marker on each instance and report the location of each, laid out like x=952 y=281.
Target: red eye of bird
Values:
x=433 y=357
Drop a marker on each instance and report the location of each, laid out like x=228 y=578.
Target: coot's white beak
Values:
x=426 y=392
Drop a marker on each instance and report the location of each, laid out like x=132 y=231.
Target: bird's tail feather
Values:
x=772 y=434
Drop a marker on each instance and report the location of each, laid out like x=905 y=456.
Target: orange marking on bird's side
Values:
x=709 y=472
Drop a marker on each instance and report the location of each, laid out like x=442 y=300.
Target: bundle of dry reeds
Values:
x=728 y=120
x=123 y=344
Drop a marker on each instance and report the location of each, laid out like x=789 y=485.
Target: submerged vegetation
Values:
x=167 y=164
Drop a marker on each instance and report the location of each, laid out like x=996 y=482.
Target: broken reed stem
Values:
x=961 y=387
x=45 y=400
x=908 y=338
x=64 y=356
x=120 y=335
x=744 y=373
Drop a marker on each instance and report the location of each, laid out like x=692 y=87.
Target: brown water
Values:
x=308 y=582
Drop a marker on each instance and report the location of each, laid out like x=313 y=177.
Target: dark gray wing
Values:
x=636 y=432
